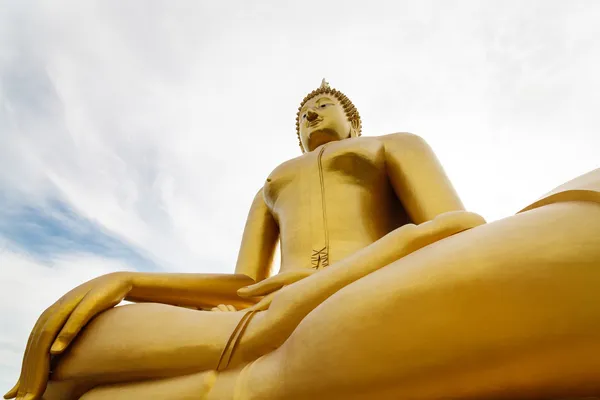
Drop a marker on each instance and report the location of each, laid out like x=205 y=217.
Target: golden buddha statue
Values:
x=387 y=289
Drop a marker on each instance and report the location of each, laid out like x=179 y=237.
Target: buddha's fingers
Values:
x=93 y=303
x=261 y=289
x=224 y=308
x=12 y=393
x=275 y=283
x=31 y=341
x=84 y=312
x=453 y=222
x=40 y=322
x=36 y=366
x=37 y=379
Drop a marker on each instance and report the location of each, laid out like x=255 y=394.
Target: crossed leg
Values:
x=141 y=341
x=505 y=310
x=508 y=309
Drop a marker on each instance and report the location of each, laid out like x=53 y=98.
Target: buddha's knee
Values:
x=102 y=339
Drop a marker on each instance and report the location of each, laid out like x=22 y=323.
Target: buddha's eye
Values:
x=303 y=116
x=324 y=105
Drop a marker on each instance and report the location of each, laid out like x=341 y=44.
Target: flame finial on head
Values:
x=349 y=108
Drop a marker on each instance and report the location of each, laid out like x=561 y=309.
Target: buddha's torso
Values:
x=332 y=202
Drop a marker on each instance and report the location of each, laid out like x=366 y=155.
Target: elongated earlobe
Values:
x=354 y=129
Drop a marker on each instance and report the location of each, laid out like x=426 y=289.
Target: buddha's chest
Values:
x=336 y=167
x=327 y=202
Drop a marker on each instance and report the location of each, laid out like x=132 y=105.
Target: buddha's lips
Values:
x=315 y=122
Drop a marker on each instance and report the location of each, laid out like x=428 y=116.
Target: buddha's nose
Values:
x=311 y=115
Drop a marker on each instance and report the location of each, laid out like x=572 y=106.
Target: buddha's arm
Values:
x=418 y=178
x=208 y=290
x=188 y=290
x=258 y=242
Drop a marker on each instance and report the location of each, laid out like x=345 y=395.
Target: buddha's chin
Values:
x=320 y=137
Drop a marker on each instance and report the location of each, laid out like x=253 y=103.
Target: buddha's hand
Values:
x=224 y=308
x=60 y=323
x=270 y=286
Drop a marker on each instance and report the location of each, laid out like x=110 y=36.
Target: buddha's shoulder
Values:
x=284 y=171
x=401 y=139
x=289 y=164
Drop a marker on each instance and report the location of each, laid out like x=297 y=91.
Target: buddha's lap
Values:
x=427 y=308
x=379 y=298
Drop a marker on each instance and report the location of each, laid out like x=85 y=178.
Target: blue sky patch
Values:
x=56 y=228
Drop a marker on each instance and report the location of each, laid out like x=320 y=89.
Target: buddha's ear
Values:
x=354 y=129
x=301 y=146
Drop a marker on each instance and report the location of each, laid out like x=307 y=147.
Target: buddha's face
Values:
x=322 y=120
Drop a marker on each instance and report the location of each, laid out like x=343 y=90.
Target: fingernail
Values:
x=57 y=347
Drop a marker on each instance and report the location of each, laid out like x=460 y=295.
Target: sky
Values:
x=134 y=135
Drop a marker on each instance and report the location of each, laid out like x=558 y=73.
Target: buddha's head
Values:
x=326 y=115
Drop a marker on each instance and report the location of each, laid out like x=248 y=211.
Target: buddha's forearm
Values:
x=302 y=297
x=384 y=251
x=192 y=290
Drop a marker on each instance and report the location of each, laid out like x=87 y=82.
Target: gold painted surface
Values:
x=387 y=289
